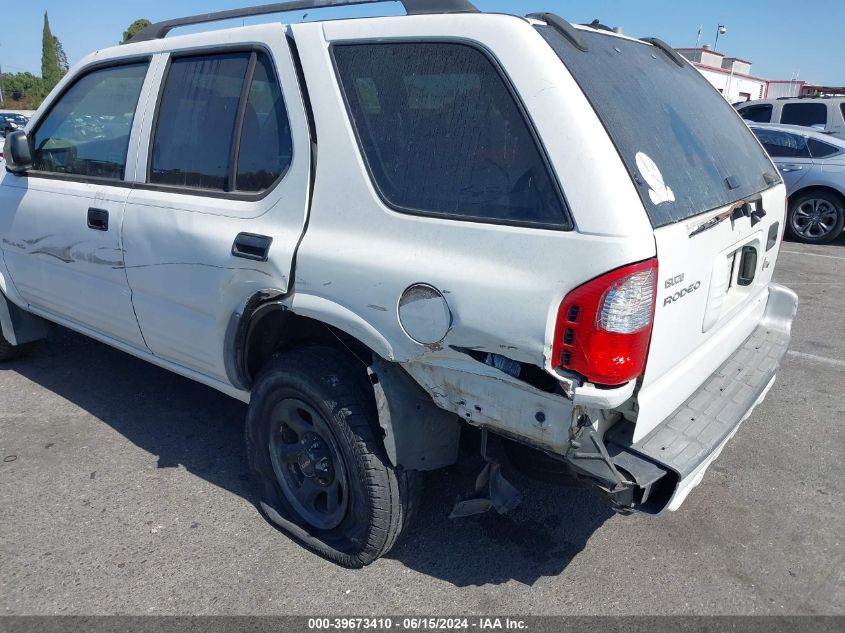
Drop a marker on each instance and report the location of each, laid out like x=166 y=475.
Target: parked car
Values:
x=487 y=237
x=826 y=114
x=19 y=120
x=7 y=123
x=813 y=167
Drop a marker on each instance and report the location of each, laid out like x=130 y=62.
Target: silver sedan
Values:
x=813 y=167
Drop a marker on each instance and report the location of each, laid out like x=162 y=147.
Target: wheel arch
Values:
x=417 y=434
x=271 y=320
x=817 y=187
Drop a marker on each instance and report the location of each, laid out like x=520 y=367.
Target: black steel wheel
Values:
x=314 y=441
x=308 y=464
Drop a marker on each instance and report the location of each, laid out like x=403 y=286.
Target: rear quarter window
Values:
x=820 y=149
x=443 y=135
x=806 y=114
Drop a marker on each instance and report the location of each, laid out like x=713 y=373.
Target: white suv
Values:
x=377 y=231
x=826 y=114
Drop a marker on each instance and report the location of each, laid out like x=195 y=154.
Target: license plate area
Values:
x=743 y=267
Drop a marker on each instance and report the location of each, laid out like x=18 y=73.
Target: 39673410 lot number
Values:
x=386 y=624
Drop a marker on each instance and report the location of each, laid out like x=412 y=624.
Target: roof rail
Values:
x=596 y=24
x=667 y=50
x=569 y=32
x=413 y=7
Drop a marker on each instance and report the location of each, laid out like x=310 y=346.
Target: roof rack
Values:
x=159 y=30
x=569 y=32
x=596 y=24
x=667 y=50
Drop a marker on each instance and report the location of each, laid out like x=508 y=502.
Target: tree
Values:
x=23 y=91
x=61 y=57
x=134 y=29
x=50 y=70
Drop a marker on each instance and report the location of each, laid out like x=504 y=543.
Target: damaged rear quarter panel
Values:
x=503 y=284
x=486 y=397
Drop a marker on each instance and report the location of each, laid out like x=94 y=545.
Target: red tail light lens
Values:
x=603 y=328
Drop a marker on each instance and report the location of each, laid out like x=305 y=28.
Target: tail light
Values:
x=603 y=328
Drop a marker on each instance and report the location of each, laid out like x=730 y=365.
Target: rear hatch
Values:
x=711 y=193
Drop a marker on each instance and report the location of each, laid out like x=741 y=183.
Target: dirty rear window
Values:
x=686 y=149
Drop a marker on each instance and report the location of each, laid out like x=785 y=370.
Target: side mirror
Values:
x=17 y=153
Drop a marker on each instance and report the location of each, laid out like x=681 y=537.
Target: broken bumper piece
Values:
x=657 y=473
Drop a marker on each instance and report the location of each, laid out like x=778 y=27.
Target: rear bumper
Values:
x=690 y=439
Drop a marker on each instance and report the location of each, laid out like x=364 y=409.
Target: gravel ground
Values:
x=129 y=494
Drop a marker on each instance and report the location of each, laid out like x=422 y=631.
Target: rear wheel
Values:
x=816 y=217
x=313 y=438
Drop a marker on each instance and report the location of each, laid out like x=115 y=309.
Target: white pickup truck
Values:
x=377 y=231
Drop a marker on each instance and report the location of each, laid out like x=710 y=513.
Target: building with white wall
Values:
x=732 y=76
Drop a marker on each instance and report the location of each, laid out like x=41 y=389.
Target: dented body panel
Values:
x=501 y=301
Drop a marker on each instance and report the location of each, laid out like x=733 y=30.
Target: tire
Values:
x=314 y=441
x=10 y=352
x=816 y=217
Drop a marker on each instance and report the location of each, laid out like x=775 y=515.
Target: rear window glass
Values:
x=807 y=114
x=684 y=145
x=442 y=134
x=217 y=134
x=758 y=113
x=266 y=148
x=196 y=122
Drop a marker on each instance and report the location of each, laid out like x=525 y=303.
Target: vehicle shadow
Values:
x=839 y=241
x=187 y=424
x=179 y=421
x=540 y=538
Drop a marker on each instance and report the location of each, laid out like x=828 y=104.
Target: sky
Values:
x=783 y=39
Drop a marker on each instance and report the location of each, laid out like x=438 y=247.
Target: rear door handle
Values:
x=788 y=168
x=98 y=219
x=254 y=247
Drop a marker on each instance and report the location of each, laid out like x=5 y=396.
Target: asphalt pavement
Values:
x=124 y=490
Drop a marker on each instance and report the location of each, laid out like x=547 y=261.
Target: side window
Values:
x=820 y=149
x=807 y=114
x=842 y=109
x=783 y=145
x=212 y=134
x=266 y=149
x=758 y=113
x=442 y=134
x=86 y=132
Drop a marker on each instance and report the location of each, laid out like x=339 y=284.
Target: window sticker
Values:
x=659 y=191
